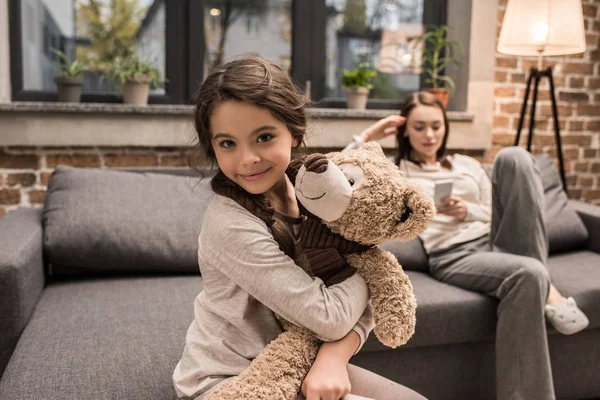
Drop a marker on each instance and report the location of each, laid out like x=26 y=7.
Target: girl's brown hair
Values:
x=259 y=82
x=404 y=147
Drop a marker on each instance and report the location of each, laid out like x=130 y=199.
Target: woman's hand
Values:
x=328 y=377
x=387 y=126
x=327 y=380
x=453 y=206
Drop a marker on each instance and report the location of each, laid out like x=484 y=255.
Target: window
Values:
x=312 y=39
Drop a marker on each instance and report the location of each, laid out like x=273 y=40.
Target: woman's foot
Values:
x=566 y=317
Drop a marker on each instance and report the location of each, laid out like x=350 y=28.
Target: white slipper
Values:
x=566 y=317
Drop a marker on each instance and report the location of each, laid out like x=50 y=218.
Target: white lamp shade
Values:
x=542 y=27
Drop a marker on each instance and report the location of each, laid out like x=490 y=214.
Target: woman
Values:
x=471 y=241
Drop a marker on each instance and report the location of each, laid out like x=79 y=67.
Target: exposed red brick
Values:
x=590 y=10
x=45 y=178
x=590 y=153
x=500 y=76
x=585 y=182
x=589 y=195
x=500 y=121
x=19 y=161
x=577 y=139
x=506 y=62
x=25 y=179
x=578 y=68
x=573 y=97
x=10 y=196
x=37 y=196
x=130 y=160
x=563 y=111
x=506 y=139
x=74 y=160
x=594 y=83
x=575 y=126
x=588 y=109
x=576 y=82
x=173 y=161
x=510 y=108
x=595 y=168
x=592 y=125
x=518 y=77
x=504 y=91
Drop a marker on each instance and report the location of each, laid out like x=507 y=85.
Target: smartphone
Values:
x=442 y=189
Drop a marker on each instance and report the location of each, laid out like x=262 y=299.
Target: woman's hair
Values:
x=261 y=83
x=404 y=147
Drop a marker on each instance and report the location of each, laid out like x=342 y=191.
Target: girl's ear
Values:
x=295 y=142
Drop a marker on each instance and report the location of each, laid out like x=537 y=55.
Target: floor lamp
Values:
x=542 y=28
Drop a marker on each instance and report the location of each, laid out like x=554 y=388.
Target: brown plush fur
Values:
x=370 y=219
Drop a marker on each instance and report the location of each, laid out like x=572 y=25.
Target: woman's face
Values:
x=425 y=130
x=252 y=147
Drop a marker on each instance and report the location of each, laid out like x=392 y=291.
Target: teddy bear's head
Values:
x=361 y=195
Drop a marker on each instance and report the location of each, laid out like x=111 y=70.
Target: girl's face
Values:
x=425 y=129
x=252 y=147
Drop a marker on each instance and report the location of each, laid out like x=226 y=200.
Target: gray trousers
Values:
x=509 y=264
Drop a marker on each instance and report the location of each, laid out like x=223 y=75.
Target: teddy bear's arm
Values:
x=392 y=297
x=278 y=371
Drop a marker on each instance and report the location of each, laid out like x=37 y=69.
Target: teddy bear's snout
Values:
x=316 y=163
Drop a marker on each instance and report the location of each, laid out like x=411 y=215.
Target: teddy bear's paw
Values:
x=393 y=332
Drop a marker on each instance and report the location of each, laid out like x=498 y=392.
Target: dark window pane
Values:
x=94 y=30
x=377 y=32
x=234 y=27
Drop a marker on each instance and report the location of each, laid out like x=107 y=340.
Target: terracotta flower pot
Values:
x=441 y=94
x=136 y=92
x=69 y=88
x=356 y=97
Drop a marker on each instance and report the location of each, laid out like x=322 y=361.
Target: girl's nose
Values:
x=249 y=157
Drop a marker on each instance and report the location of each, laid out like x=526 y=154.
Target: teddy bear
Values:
x=352 y=202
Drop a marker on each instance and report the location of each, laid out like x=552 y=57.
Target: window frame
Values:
x=176 y=89
x=185 y=53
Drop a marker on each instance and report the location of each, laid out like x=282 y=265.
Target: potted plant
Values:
x=438 y=52
x=69 y=77
x=357 y=83
x=136 y=76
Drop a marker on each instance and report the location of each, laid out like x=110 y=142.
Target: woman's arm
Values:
x=239 y=245
x=387 y=126
x=481 y=211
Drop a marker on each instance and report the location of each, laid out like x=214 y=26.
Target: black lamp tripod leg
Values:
x=524 y=107
x=533 y=104
x=557 y=131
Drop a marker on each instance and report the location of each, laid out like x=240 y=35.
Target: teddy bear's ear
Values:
x=374 y=148
x=292 y=169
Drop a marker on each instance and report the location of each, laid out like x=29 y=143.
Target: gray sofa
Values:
x=97 y=290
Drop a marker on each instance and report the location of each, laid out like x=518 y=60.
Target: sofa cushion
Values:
x=411 y=254
x=105 y=221
x=104 y=339
x=565 y=228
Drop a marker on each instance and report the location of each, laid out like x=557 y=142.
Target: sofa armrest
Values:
x=590 y=215
x=21 y=275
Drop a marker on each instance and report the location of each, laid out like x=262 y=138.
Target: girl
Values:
x=471 y=241
x=249 y=116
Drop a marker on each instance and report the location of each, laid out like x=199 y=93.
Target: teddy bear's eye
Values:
x=351 y=182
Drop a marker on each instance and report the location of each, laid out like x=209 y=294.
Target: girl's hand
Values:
x=327 y=380
x=387 y=126
x=453 y=206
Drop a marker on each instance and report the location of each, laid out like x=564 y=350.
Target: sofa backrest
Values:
x=99 y=221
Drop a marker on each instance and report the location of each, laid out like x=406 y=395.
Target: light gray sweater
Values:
x=246 y=279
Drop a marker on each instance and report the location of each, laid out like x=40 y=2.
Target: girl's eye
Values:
x=227 y=144
x=265 y=137
x=351 y=182
x=436 y=127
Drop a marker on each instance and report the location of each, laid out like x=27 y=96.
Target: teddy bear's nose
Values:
x=316 y=163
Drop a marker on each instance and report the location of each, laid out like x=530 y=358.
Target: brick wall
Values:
x=577 y=82
x=24 y=172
